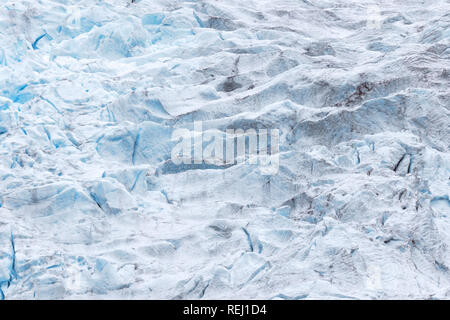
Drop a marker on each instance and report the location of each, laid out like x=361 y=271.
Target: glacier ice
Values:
x=91 y=205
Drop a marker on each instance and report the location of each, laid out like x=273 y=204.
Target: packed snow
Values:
x=91 y=205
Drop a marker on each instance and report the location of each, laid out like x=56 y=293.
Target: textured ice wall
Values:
x=91 y=91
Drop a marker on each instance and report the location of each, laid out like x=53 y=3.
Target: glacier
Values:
x=91 y=206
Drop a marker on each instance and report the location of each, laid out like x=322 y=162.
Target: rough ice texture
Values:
x=90 y=206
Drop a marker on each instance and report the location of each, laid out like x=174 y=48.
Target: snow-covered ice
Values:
x=91 y=205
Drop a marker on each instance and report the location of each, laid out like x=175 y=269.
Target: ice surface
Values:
x=92 y=207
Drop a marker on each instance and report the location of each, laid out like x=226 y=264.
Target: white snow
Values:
x=92 y=91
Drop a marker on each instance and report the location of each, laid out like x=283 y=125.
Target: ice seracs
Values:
x=91 y=205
